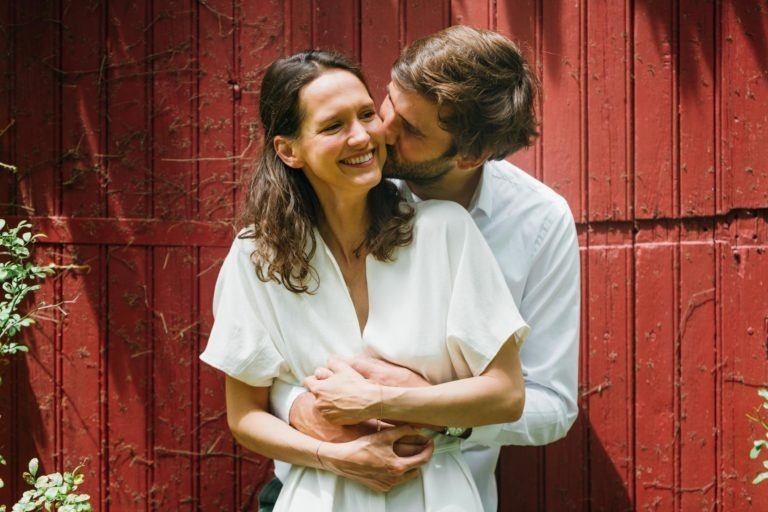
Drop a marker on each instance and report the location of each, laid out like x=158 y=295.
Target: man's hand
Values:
x=342 y=395
x=305 y=418
x=372 y=461
x=386 y=374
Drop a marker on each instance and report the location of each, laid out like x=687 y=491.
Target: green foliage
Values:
x=18 y=277
x=760 y=444
x=53 y=492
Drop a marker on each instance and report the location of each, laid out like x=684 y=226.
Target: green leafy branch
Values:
x=18 y=277
x=760 y=444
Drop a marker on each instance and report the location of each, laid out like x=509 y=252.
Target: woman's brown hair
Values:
x=282 y=208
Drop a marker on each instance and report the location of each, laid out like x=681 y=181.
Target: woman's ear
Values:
x=284 y=147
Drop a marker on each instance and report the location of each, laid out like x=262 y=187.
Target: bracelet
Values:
x=317 y=454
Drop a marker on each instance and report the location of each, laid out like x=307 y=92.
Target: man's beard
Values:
x=419 y=173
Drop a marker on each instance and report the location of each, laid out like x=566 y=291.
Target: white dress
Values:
x=441 y=309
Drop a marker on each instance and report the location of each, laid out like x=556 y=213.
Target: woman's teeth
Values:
x=358 y=159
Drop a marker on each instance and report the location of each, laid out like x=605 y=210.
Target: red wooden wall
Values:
x=131 y=123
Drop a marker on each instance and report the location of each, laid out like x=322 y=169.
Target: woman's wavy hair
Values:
x=282 y=208
x=482 y=83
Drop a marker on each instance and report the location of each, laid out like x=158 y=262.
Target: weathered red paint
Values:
x=133 y=126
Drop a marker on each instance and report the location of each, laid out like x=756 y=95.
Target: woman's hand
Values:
x=343 y=396
x=372 y=461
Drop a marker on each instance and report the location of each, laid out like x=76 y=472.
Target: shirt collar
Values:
x=482 y=200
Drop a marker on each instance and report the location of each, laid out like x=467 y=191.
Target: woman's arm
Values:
x=369 y=460
x=496 y=396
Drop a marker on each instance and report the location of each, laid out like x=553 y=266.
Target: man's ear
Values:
x=465 y=162
x=284 y=147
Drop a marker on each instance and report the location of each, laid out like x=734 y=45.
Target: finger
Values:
x=402 y=449
x=338 y=365
x=421 y=458
x=310 y=383
x=365 y=366
x=323 y=373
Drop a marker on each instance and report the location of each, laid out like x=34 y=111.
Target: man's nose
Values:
x=389 y=123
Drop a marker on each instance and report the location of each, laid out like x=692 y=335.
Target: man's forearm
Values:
x=546 y=418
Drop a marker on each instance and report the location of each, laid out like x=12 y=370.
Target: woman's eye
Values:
x=331 y=128
x=368 y=114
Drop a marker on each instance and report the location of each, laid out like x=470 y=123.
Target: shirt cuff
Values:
x=485 y=435
x=281 y=398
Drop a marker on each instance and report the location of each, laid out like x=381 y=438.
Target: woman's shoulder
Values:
x=441 y=215
x=442 y=218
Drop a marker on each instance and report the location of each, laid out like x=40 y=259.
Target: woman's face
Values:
x=341 y=141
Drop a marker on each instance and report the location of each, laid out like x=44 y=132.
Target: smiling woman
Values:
x=333 y=262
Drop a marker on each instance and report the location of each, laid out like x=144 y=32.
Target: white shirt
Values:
x=440 y=308
x=531 y=232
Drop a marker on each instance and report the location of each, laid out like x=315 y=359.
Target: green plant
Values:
x=19 y=276
x=760 y=444
x=53 y=492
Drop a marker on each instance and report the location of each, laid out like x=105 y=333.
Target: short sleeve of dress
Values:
x=239 y=343
x=482 y=314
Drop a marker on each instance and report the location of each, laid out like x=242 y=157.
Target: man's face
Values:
x=418 y=149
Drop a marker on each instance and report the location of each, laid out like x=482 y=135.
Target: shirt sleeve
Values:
x=551 y=305
x=482 y=314
x=239 y=344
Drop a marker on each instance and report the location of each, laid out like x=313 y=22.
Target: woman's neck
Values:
x=343 y=226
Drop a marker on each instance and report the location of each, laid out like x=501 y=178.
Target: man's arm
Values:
x=551 y=306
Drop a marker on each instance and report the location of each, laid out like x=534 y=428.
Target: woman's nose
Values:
x=359 y=135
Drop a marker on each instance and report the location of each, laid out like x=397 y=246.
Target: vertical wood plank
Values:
x=215 y=111
x=37 y=401
x=379 y=42
x=173 y=356
x=83 y=83
x=130 y=179
x=82 y=366
x=216 y=202
x=655 y=122
x=479 y=14
x=173 y=82
x=299 y=27
x=520 y=478
x=610 y=387
x=518 y=22
x=656 y=383
x=697 y=107
x=743 y=260
x=424 y=17
x=698 y=364
x=560 y=103
x=745 y=86
x=335 y=26
x=218 y=465
x=610 y=181
x=7 y=132
x=36 y=115
x=129 y=356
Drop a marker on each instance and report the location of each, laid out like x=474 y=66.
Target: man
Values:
x=459 y=102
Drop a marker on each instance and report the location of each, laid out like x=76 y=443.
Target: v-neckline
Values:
x=361 y=330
